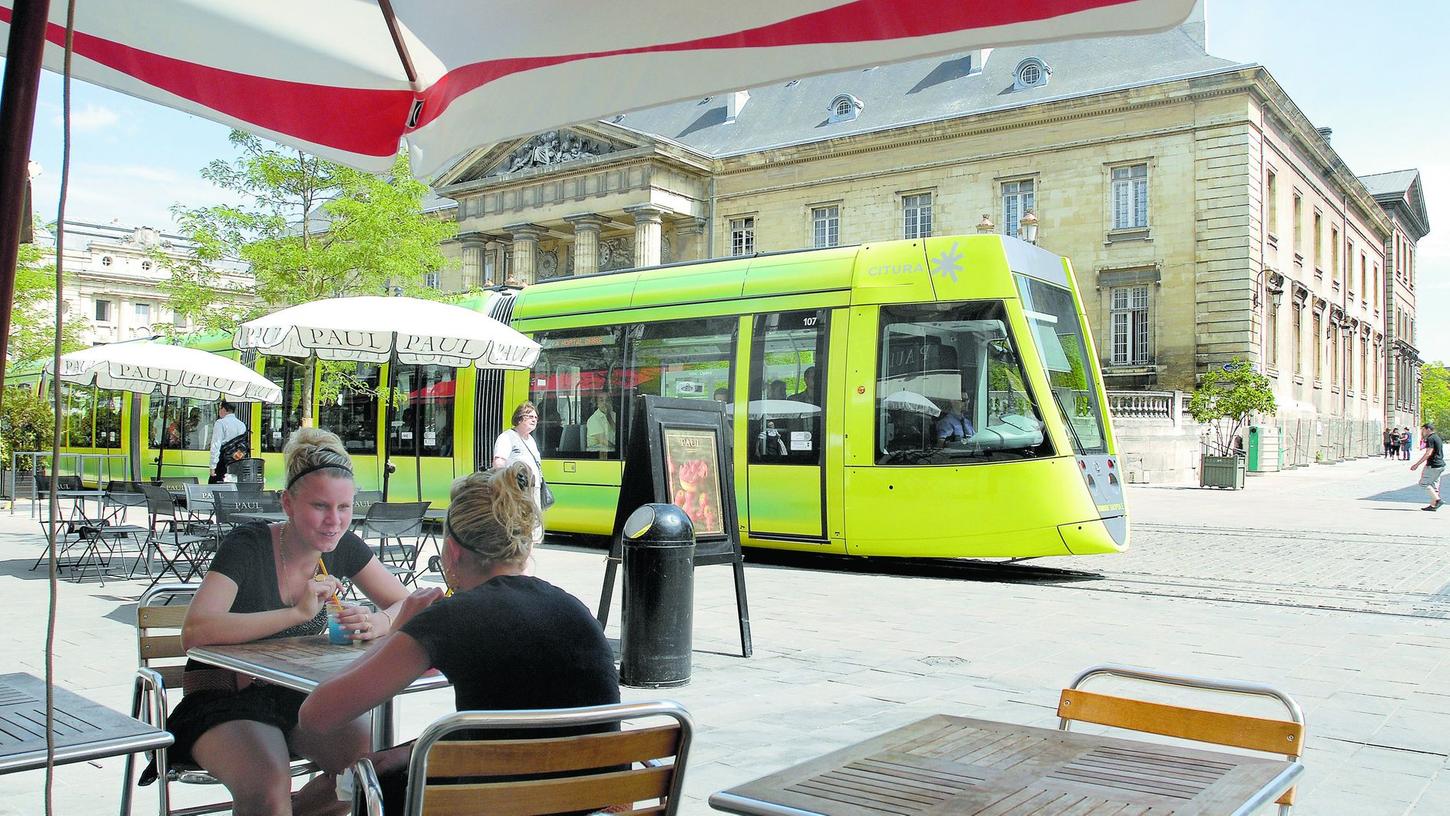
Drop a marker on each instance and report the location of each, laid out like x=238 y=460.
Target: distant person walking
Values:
x=517 y=445
x=1434 y=461
x=1388 y=439
x=1407 y=444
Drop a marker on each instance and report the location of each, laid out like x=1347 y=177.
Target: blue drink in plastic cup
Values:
x=336 y=635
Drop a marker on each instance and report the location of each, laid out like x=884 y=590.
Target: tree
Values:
x=26 y=423
x=1227 y=397
x=309 y=229
x=32 y=320
x=1435 y=395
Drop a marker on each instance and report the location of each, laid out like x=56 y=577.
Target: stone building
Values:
x=1402 y=196
x=113 y=278
x=1206 y=216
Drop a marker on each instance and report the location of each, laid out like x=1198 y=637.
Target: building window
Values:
x=1271 y=203
x=1298 y=340
x=103 y=311
x=742 y=236
x=105 y=260
x=1363 y=278
x=1273 y=332
x=1334 y=358
x=1129 y=320
x=143 y=312
x=916 y=216
x=1318 y=243
x=1017 y=198
x=1130 y=197
x=844 y=108
x=1314 y=343
x=1375 y=288
x=1030 y=73
x=826 y=226
x=1299 y=225
x=430 y=280
x=145 y=266
x=1334 y=252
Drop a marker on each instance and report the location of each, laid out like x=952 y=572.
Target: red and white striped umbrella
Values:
x=351 y=80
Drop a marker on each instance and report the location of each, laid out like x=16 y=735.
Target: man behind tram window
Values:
x=953 y=425
x=808 y=391
x=600 y=431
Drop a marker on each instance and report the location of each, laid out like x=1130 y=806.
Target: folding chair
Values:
x=396 y=520
x=546 y=773
x=163 y=518
x=159 y=616
x=201 y=504
x=1199 y=725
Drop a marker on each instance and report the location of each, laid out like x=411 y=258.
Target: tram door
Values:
x=785 y=439
x=420 y=433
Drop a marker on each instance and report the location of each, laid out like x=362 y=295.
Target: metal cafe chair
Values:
x=168 y=526
x=1199 y=725
x=159 y=616
x=544 y=772
x=396 y=521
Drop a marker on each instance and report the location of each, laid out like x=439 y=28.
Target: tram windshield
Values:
x=1062 y=345
x=951 y=389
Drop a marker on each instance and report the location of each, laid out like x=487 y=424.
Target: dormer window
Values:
x=1031 y=73
x=844 y=108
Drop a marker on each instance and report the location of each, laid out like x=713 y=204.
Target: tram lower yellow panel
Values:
x=1009 y=509
x=785 y=499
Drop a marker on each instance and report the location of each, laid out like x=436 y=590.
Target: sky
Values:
x=1366 y=73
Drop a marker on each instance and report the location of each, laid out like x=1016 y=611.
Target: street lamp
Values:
x=1027 y=227
x=985 y=225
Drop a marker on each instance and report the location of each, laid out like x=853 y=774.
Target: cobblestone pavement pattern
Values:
x=1325 y=581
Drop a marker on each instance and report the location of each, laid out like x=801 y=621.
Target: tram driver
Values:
x=953 y=427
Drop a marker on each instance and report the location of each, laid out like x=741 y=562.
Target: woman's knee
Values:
x=267 y=792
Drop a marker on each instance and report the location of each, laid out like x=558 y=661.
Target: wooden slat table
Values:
x=956 y=765
x=83 y=730
x=301 y=664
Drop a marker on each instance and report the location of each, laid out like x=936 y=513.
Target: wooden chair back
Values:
x=1252 y=733
x=160 y=613
x=618 y=769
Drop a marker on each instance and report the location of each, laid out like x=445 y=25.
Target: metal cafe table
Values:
x=83 y=730
x=956 y=765
x=301 y=664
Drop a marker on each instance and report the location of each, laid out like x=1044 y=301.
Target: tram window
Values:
x=1061 y=343
x=951 y=389
x=353 y=413
x=684 y=359
x=79 y=402
x=187 y=423
x=787 y=379
x=108 y=419
x=280 y=419
x=422 y=423
x=576 y=385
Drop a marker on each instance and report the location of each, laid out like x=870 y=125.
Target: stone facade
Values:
x=113 y=279
x=1206 y=217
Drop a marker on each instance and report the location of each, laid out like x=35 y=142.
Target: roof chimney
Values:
x=734 y=103
x=1326 y=133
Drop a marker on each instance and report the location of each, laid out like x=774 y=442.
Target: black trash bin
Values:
x=659 y=597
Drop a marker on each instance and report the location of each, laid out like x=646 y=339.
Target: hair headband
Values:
x=307 y=470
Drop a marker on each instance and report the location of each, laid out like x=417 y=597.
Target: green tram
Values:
x=923 y=398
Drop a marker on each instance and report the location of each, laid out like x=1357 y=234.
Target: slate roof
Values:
x=925 y=90
x=1393 y=183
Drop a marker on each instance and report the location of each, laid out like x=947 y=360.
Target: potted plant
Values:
x=26 y=424
x=1223 y=402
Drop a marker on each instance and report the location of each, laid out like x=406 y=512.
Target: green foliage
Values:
x=1435 y=395
x=26 y=423
x=1226 y=398
x=310 y=230
x=32 y=320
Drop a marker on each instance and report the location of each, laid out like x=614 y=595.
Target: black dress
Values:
x=245 y=556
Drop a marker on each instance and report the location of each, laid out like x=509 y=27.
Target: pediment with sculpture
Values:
x=547 y=149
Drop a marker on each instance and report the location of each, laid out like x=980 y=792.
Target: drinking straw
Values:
x=335 y=601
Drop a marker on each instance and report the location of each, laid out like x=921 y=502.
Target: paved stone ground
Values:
x=1324 y=580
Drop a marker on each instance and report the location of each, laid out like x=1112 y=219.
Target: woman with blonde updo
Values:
x=270 y=581
x=505 y=640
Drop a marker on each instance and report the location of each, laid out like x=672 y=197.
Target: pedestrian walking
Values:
x=517 y=445
x=1434 y=461
x=1394 y=434
x=1406 y=443
x=1387 y=440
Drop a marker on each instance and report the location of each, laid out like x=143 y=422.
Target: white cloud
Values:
x=133 y=194
x=91 y=117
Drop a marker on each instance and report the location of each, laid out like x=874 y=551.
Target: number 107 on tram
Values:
x=938 y=397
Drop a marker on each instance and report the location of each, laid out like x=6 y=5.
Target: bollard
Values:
x=659 y=597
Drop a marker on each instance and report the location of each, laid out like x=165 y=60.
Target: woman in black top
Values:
x=265 y=582
x=505 y=640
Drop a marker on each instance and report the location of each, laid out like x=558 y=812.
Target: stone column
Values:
x=525 y=251
x=473 y=246
x=691 y=232
x=586 y=241
x=646 y=233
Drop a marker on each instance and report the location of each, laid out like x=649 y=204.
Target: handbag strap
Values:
x=524 y=443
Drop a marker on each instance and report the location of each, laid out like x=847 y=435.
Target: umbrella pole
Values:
x=161 y=450
x=388 y=419
x=418 y=449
